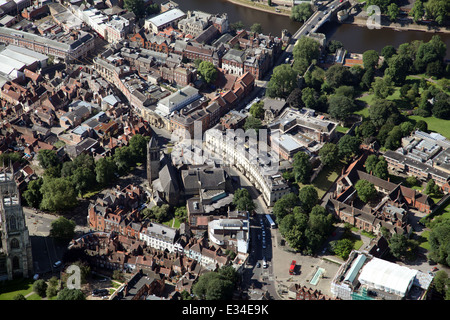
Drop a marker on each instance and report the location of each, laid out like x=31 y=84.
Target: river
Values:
x=355 y=39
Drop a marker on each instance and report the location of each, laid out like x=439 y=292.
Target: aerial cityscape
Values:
x=233 y=150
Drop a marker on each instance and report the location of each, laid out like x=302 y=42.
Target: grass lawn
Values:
x=9 y=289
x=324 y=179
x=173 y=223
x=434 y=124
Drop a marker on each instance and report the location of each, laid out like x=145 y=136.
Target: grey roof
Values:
x=162 y=232
x=235 y=55
x=204 y=178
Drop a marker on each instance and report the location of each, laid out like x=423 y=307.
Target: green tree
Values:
x=417 y=11
x=62 y=229
x=348 y=147
x=398 y=68
x=306 y=48
x=393 y=11
x=370 y=59
x=438 y=10
x=343 y=247
x=19 y=297
x=58 y=194
x=383 y=87
x=285 y=206
x=105 y=169
x=215 y=285
x=40 y=287
x=243 y=200
x=302 y=167
x=138 y=147
x=257 y=110
x=301 y=12
x=282 y=82
x=308 y=198
x=340 y=106
x=208 y=71
x=252 y=123
x=334 y=45
x=371 y=163
x=33 y=195
x=310 y=98
x=380 y=111
x=381 y=169
x=327 y=154
x=388 y=51
x=70 y=294
x=337 y=75
x=123 y=159
x=256 y=27
x=441 y=106
x=320 y=221
x=398 y=245
x=135 y=6
x=366 y=191
x=48 y=158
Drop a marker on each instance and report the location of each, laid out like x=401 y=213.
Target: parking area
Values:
x=307 y=267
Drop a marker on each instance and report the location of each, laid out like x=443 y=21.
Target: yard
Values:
x=325 y=179
x=9 y=289
x=435 y=124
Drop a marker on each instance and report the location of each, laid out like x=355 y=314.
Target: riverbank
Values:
x=261 y=7
x=361 y=21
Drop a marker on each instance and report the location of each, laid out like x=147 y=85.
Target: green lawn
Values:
x=9 y=289
x=434 y=124
x=324 y=179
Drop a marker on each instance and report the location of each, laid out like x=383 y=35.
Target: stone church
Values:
x=15 y=246
x=162 y=176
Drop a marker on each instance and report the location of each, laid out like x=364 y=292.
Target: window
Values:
x=12 y=223
x=15 y=244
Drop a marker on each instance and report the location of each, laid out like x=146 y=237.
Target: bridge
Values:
x=319 y=17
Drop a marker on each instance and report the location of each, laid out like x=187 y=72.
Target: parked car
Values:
x=57 y=264
x=100 y=292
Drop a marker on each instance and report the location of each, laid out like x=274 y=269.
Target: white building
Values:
x=163 y=20
x=230 y=232
x=161 y=237
x=364 y=277
x=259 y=166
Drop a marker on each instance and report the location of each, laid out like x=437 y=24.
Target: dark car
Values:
x=100 y=292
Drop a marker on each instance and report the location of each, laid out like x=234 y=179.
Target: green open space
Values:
x=9 y=289
x=325 y=179
x=434 y=124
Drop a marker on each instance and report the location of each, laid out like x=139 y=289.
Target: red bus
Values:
x=292 y=268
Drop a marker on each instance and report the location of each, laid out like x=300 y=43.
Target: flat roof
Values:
x=387 y=276
x=166 y=17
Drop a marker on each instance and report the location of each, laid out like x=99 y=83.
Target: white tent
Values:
x=387 y=276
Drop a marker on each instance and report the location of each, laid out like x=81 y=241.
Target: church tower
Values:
x=15 y=246
x=153 y=159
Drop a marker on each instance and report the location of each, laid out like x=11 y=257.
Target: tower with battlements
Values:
x=15 y=246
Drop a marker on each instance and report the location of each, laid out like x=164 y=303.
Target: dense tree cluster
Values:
x=64 y=181
x=302 y=222
x=218 y=285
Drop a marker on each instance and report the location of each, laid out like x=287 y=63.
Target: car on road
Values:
x=57 y=264
x=434 y=269
x=36 y=277
x=99 y=292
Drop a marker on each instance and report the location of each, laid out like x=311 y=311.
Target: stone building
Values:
x=15 y=247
